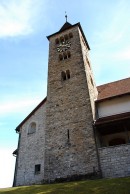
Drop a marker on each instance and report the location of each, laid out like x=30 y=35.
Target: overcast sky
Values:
x=24 y=25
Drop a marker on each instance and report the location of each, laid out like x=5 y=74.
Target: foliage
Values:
x=100 y=186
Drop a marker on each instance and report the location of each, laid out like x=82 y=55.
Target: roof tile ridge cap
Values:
x=113 y=82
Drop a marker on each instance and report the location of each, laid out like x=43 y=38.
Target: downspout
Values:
x=16 y=162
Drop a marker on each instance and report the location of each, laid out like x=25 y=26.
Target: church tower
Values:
x=70 y=148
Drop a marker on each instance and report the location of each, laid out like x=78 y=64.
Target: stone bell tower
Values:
x=70 y=148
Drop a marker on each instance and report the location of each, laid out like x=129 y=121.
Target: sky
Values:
x=24 y=25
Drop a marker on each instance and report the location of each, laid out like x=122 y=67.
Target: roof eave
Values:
x=48 y=37
x=112 y=118
x=111 y=97
x=77 y=24
x=37 y=107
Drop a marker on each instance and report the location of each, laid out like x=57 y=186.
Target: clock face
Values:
x=64 y=46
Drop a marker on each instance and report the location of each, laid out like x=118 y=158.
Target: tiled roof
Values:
x=113 y=89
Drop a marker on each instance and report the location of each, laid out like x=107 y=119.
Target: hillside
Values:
x=102 y=186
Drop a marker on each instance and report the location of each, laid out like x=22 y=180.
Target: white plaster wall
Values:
x=31 y=150
x=114 y=106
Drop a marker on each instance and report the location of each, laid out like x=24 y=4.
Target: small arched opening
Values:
x=68 y=74
x=32 y=128
x=63 y=76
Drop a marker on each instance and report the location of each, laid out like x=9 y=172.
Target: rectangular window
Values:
x=37 y=168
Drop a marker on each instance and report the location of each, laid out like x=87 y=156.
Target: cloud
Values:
x=7 y=164
x=111 y=50
x=18 y=106
x=123 y=54
x=116 y=31
x=18 y=17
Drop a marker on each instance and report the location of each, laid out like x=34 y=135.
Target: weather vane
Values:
x=66 y=16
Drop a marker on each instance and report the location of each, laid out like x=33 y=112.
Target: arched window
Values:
x=66 y=37
x=61 y=57
x=32 y=128
x=68 y=74
x=117 y=141
x=57 y=41
x=65 y=55
x=63 y=75
x=70 y=35
x=68 y=54
x=62 y=39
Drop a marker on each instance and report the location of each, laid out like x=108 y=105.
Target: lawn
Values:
x=101 y=186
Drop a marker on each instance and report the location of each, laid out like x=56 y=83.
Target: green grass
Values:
x=101 y=186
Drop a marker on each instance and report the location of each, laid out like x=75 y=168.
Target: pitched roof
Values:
x=113 y=89
x=65 y=26
x=37 y=107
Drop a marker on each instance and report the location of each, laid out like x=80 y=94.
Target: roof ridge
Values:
x=65 y=26
x=114 y=82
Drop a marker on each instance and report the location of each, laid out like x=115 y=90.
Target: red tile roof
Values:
x=105 y=91
x=113 y=89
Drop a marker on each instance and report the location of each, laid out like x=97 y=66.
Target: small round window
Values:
x=32 y=128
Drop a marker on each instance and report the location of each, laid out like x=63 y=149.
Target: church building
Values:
x=79 y=130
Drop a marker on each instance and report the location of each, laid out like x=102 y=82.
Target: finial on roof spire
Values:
x=66 y=16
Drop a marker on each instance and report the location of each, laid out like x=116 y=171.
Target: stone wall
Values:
x=31 y=150
x=89 y=75
x=115 y=161
x=68 y=111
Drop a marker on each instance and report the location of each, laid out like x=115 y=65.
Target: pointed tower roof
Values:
x=65 y=26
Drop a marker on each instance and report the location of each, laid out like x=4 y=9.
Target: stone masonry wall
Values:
x=115 y=161
x=31 y=150
x=68 y=111
x=90 y=77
